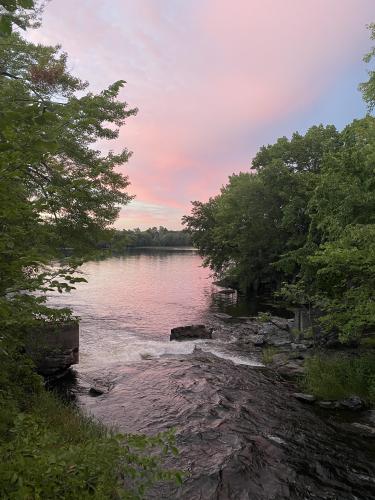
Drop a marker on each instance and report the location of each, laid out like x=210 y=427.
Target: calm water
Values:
x=131 y=302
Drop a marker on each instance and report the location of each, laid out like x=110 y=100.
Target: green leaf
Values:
x=5 y=25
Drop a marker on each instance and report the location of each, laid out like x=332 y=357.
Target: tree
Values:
x=59 y=194
x=338 y=264
x=368 y=88
x=19 y=13
x=250 y=233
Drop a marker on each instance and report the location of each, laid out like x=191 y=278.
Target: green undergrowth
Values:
x=49 y=450
x=268 y=353
x=338 y=376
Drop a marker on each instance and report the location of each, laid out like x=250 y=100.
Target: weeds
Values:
x=338 y=377
x=268 y=353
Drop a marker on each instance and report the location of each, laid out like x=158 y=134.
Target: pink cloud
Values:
x=205 y=74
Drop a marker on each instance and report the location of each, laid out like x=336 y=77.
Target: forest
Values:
x=120 y=240
x=301 y=222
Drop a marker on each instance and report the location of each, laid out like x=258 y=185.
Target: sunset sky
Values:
x=213 y=80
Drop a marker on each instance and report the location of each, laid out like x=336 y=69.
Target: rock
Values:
x=53 y=347
x=191 y=332
x=279 y=359
x=305 y=398
x=278 y=342
x=222 y=316
x=259 y=340
x=293 y=368
x=299 y=347
x=296 y=355
x=352 y=403
x=250 y=338
x=281 y=323
x=96 y=391
x=329 y=405
x=366 y=430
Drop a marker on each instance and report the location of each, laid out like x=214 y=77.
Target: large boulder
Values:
x=190 y=332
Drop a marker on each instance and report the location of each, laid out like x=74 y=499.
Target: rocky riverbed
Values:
x=241 y=431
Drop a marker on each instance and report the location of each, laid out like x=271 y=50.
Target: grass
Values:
x=268 y=353
x=368 y=342
x=264 y=317
x=338 y=377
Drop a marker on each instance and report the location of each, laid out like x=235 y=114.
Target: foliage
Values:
x=58 y=194
x=368 y=88
x=48 y=449
x=151 y=237
x=268 y=353
x=264 y=317
x=303 y=223
x=258 y=217
x=338 y=377
x=18 y=13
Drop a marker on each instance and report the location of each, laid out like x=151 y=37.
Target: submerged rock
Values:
x=191 y=332
x=223 y=316
x=96 y=391
x=352 y=403
x=328 y=405
x=365 y=430
x=305 y=398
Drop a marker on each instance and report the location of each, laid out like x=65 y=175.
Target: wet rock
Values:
x=250 y=338
x=305 y=398
x=223 y=316
x=299 y=347
x=279 y=342
x=365 y=430
x=352 y=403
x=259 y=340
x=96 y=391
x=280 y=323
x=296 y=355
x=328 y=405
x=191 y=332
x=240 y=435
x=279 y=359
x=292 y=369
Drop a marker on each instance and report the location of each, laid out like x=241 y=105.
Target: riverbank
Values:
x=50 y=449
x=333 y=375
x=240 y=431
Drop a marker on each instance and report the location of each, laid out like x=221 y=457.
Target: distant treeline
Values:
x=151 y=237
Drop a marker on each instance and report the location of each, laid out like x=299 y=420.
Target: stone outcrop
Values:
x=53 y=347
x=190 y=332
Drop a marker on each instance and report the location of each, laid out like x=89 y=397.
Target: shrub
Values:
x=339 y=376
x=268 y=353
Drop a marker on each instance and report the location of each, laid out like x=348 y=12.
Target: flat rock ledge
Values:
x=190 y=332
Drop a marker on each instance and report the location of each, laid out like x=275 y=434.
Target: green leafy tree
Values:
x=249 y=232
x=368 y=88
x=59 y=194
x=338 y=265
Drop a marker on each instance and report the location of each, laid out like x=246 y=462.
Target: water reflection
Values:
x=132 y=301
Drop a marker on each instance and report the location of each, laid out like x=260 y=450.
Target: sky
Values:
x=214 y=80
